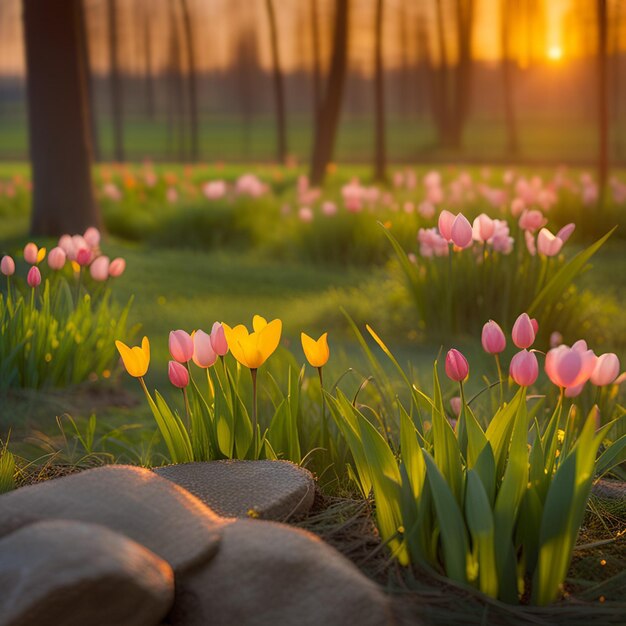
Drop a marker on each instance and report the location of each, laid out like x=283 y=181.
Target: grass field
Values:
x=543 y=140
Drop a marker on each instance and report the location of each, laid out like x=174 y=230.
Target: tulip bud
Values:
x=556 y=339
x=535 y=324
x=606 y=369
x=461 y=231
x=57 y=258
x=455 y=405
x=7 y=266
x=181 y=346
x=203 y=353
x=524 y=368
x=523 y=333
x=493 y=338
x=178 y=374
x=83 y=257
x=532 y=220
x=218 y=339
x=457 y=367
x=99 y=269
x=117 y=267
x=483 y=228
x=30 y=253
x=34 y=277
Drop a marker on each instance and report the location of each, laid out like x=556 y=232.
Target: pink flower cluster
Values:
x=200 y=347
x=84 y=250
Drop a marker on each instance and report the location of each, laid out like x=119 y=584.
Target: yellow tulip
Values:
x=316 y=352
x=136 y=360
x=41 y=255
x=252 y=349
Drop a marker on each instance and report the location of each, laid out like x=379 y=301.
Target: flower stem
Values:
x=80 y=279
x=254 y=412
x=324 y=425
x=187 y=409
x=499 y=375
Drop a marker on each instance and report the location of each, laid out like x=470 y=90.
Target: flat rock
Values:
x=266 y=574
x=271 y=490
x=131 y=501
x=73 y=574
x=610 y=489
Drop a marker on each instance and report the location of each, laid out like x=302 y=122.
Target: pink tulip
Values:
x=483 y=228
x=524 y=368
x=461 y=232
x=606 y=369
x=532 y=220
x=517 y=206
x=570 y=367
x=329 y=208
x=57 y=258
x=457 y=367
x=66 y=243
x=83 y=257
x=523 y=333
x=99 y=269
x=181 y=346
x=218 y=339
x=78 y=242
x=7 y=266
x=34 y=277
x=92 y=237
x=455 y=405
x=178 y=374
x=493 y=338
x=548 y=244
x=565 y=232
x=117 y=267
x=30 y=253
x=445 y=225
x=305 y=214
x=203 y=354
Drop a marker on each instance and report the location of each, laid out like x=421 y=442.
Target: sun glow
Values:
x=555 y=53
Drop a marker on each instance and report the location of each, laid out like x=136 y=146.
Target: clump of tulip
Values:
x=496 y=265
x=217 y=423
x=493 y=499
x=50 y=336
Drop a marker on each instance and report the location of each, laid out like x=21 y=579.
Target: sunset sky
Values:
x=220 y=23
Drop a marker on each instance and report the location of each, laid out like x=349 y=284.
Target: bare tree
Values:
x=192 y=77
x=380 y=153
x=279 y=88
x=176 y=93
x=603 y=96
x=115 y=80
x=58 y=116
x=330 y=107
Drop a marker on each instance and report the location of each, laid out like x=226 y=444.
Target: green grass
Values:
x=542 y=139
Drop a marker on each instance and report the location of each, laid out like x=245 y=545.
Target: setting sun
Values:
x=555 y=53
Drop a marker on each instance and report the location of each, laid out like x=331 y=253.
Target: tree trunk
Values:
x=330 y=108
x=192 y=78
x=508 y=69
x=440 y=100
x=317 y=63
x=464 y=67
x=149 y=77
x=91 y=103
x=603 y=97
x=117 y=104
x=279 y=89
x=58 y=117
x=176 y=100
x=380 y=156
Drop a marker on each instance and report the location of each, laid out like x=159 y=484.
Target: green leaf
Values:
x=454 y=539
